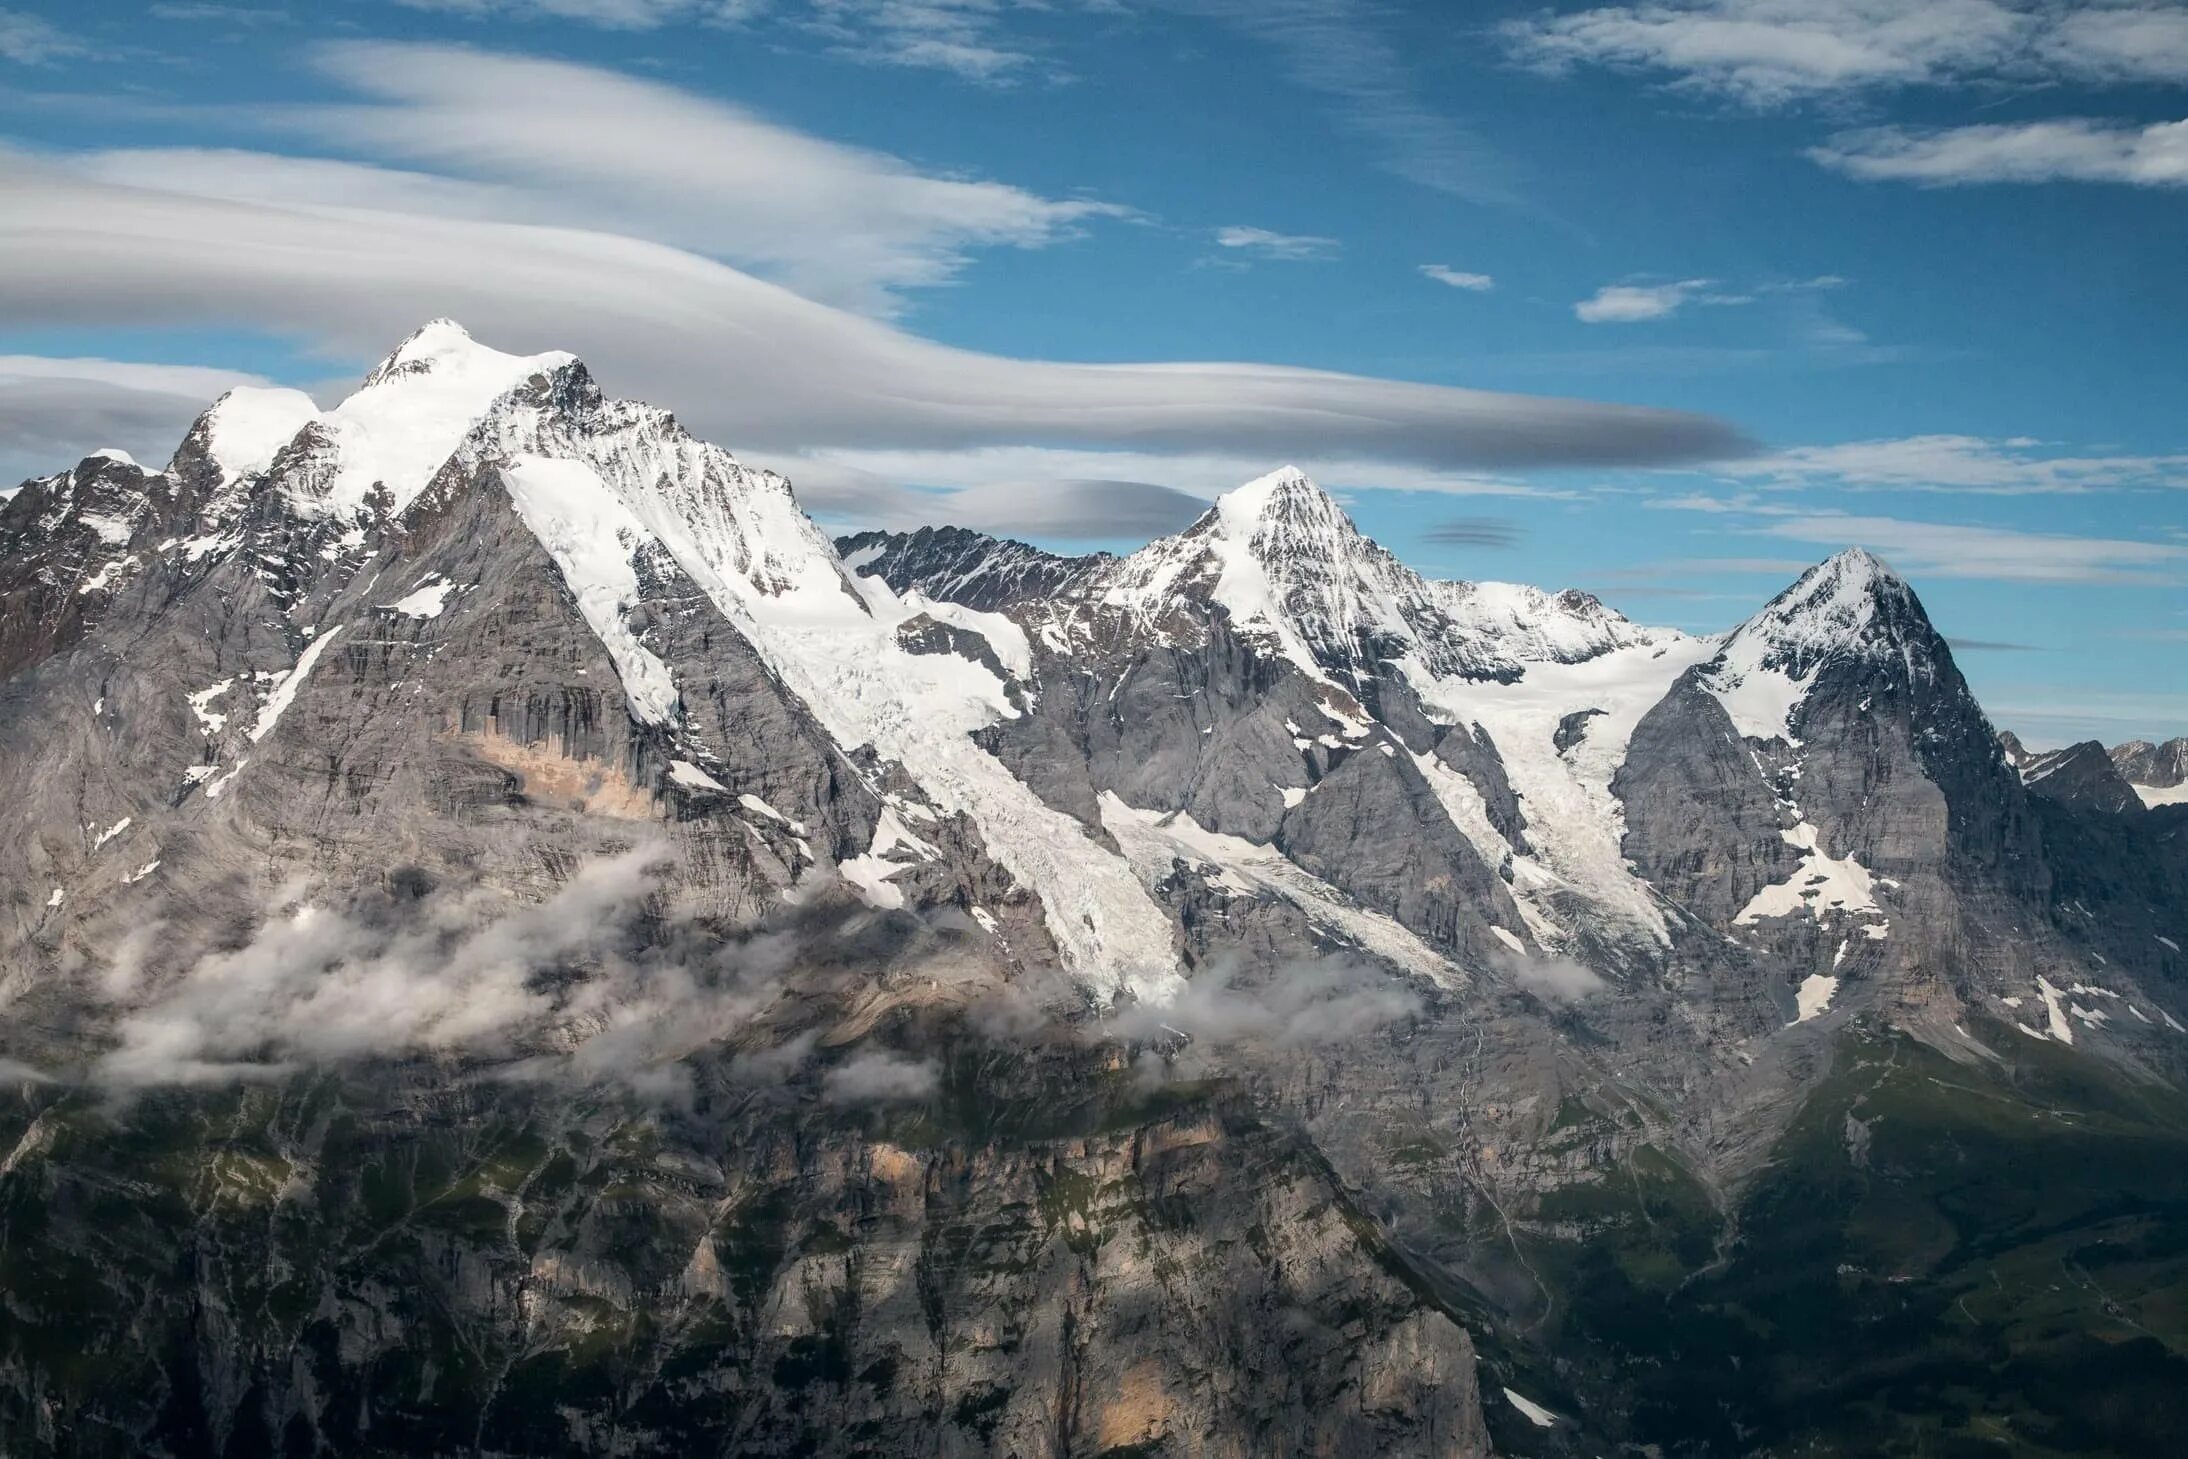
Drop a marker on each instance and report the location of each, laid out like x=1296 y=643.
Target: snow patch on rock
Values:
x=1813 y=998
x=1155 y=840
x=691 y=777
x=1820 y=885
x=285 y=687
x=1536 y=1414
x=426 y=601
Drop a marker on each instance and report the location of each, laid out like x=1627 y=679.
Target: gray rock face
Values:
x=2083 y=775
x=2160 y=766
x=1374 y=827
x=957 y=566
x=1705 y=815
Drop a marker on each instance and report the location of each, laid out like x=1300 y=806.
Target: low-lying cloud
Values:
x=1295 y=1005
x=880 y=1076
x=1555 y=980
x=558 y=988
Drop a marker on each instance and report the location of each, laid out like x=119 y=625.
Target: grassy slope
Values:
x=1941 y=1260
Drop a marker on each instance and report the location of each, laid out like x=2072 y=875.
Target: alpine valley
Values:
x=514 y=942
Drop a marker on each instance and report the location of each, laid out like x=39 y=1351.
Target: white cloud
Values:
x=2073 y=150
x=2120 y=42
x=210 y=13
x=2010 y=467
x=1555 y=980
x=1771 y=52
x=878 y=1076
x=30 y=41
x=1637 y=303
x=318 y=985
x=1077 y=495
x=835 y=222
x=1443 y=273
x=751 y=365
x=957 y=36
x=1293 y=1005
x=1040 y=503
x=2046 y=717
x=1267 y=244
x=607 y=14
x=1998 y=554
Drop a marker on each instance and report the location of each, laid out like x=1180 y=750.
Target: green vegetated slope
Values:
x=1942 y=1259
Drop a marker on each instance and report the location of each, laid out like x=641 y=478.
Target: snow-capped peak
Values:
x=1287 y=565
x=1285 y=513
x=1832 y=604
x=247 y=427
x=412 y=412
x=1850 y=604
x=430 y=345
x=1287 y=490
x=110 y=453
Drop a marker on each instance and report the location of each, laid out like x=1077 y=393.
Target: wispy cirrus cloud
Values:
x=2046 y=717
x=1939 y=549
x=30 y=40
x=207 y=12
x=1639 y=303
x=1444 y=273
x=1767 y=53
x=961 y=37
x=607 y=14
x=1997 y=554
x=1266 y=243
x=2015 y=466
x=2073 y=150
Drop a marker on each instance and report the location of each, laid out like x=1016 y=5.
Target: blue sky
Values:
x=1885 y=272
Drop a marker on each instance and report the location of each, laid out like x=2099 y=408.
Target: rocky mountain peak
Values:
x=242 y=432
x=410 y=414
x=2160 y=767
x=1835 y=602
x=2081 y=775
x=1851 y=608
x=1284 y=516
x=432 y=345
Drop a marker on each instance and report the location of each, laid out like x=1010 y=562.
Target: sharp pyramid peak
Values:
x=1257 y=497
x=1284 y=506
x=1843 y=591
x=1858 y=564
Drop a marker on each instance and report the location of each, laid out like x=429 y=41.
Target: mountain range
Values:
x=517 y=942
